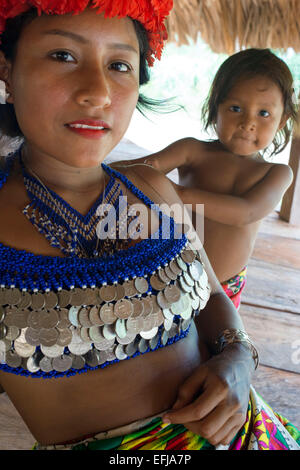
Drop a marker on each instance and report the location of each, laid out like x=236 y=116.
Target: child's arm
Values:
x=247 y=208
x=178 y=154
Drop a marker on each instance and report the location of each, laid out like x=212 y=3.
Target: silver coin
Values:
x=62 y=363
x=193 y=294
x=107 y=314
x=196 y=270
x=24 y=349
x=64 y=337
x=141 y=285
x=33 y=320
x=73 y=315
x=138 y=307
x=12 y=333
x=120 y=328
x=51 y=300
x=3 y=331
x=120 y=292
x=64 y=298
x=37 y=301
x=94 y=316
x=12 y=359
x=92 y=358
x=188 y=255
x=148 y=323
x=156 y=283
x=64 y=321
x=77 y=297
x=158 y=318
x=108 y=293
x=83 y=317
x=108 y=332
x=164 y=337
x=21 y=318
x=25 y=300
x=5 y=345
x=3 y=296
x=45 y=364
x=130 y=289
x=9 y=318
x=48 y=337
x=178 y=307
x=185 y=324
x=184 y=286
x=189 y=281
x=162 y=301
x=120 y=353
x=2 y=313
x=203 y=281
x=174 y=330
x=32 y=336
x=155 y=306
x=168 y=324
x=153 y=342
x=22 y=338
x=162 y=276
x=149 y=334
x=174 y=267
x=168 y=314
x=96 y=334
x=129 y=338
x=172 y=293
x=170 y=273
x=148 y=306
x=131 y=348
x=84 y=335
x=79 y=348
x=181 y=264
x=109 y=354
x=123 y=308
x=195 y=303
x=104 y=344
x=32 y=363
x=49 y=318
x=13 y=296
x=143 y=345
x=91 y=296
x=134 y=325
x=78 y=362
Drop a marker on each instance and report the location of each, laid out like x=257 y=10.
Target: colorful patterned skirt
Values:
x=263 y=430
x=234 y=287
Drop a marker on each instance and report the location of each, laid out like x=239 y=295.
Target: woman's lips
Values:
x=88 y=128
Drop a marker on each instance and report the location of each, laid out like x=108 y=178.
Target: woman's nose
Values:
x=247 y=123
x=94 y=90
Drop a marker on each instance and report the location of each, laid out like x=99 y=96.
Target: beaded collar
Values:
x=63 y=316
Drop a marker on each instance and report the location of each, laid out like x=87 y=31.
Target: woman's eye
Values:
x=235 y=109
x=62 y=56
x=264 y=113
x=120 y=67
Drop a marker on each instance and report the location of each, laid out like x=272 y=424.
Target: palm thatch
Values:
x=231 y=25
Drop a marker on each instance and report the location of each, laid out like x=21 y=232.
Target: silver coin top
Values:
x=51 y=299
x=94 y=316
x=141 y=285
x=83 y=317
x=123 y=308
x=48 y=318
x=37 y=301
x=108 y=293
x=172 y=293
x=64 y=298
x=107 y=313
x=62 y=363
x=157 y=283
x=52 y=351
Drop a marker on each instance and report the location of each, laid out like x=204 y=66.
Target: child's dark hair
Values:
x=9 y=40
x=247 y=64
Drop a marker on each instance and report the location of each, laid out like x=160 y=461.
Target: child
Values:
x=250 y=106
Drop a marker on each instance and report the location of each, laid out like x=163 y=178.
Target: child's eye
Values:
x=264 y=113
x=120 y=67
x=61 y=56
x=235 y=109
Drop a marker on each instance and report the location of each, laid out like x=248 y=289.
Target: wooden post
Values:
x=290 y=207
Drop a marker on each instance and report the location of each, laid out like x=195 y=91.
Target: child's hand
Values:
x=213 y=401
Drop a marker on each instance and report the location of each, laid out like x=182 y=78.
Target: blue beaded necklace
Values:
x=67 y=229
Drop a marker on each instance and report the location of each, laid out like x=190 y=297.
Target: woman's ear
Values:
x=5 y=67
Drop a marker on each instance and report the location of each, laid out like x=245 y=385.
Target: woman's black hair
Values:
x=9 y=40
x=245 y=65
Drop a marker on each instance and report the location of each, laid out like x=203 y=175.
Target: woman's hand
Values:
x=213 y=401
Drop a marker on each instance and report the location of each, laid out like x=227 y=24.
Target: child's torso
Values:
x=228 y=247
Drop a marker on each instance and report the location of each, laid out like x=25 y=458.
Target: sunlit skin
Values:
x=250 y=116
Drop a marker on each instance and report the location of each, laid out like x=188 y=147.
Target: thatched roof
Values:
x=230 y=25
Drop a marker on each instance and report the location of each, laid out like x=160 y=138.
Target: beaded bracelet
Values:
x=230 y=336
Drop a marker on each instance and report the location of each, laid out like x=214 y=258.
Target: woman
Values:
x=113 y=319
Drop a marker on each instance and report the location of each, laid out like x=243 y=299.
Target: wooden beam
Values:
x=290 y=206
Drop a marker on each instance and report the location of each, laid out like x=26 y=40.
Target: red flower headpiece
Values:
x=150 y=13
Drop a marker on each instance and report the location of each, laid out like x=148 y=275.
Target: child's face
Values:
x=250 y=116
x=58 y=79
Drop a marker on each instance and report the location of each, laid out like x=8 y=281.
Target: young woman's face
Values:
x=250 y=116
x=70 y=69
